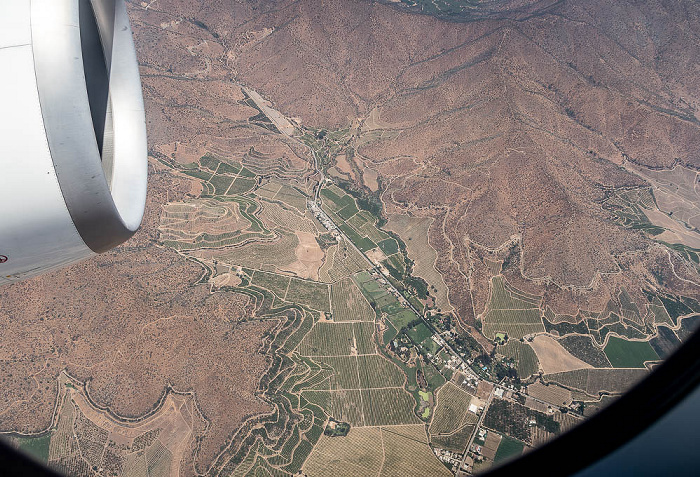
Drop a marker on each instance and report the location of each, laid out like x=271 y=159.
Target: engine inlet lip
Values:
x=92 y=107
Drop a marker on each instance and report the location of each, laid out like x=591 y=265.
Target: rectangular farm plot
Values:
x=348 y=211
x=408 y=454
x=402 y=318
x=292 y=197
x=347 y=406
x=513 y=330
x=240 y=186
x=452 y=410
x=593 y=381
x=335 y=198
x=355 y=454
x=220 y=183
x=388 y=406
x=338 y=339
x=508 y=449
x=348 y=303
x=377 y=372
x=364 y=337
x=629 y=354
x=511 y=311
x=315 y=295
x=273 y=282
x=346 y=375
x=419 y=333
x=384 y=451
x=526 y=362
x=328 y=339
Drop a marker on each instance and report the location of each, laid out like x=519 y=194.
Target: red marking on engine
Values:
x=3 y=259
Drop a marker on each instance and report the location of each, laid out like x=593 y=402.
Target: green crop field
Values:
x=328 y=339
x=312 y=294
x=220 y=183
x=277 y=284
x=389 y=246
x=430 y=345
x=508 y=448
x=37 y=447
x=629 y=354
x=452 y=410
x=419 y=333
x=364 y=337
x=376 y=371
x=345 y=372
x=388 y=406
x=402 y=318
x=348 y=303
x=511 y=311
x=526 y=362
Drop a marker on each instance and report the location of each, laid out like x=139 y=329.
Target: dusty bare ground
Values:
x=130 y=322
x=553 y=357
x=309 y=257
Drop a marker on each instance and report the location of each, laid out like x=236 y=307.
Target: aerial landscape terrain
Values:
x=402 y=237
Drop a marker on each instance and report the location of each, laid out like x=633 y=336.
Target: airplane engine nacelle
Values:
x=73 y=157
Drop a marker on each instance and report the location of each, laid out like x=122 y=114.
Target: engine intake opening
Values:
x=97 y=84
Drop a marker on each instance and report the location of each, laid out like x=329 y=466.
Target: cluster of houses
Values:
x=448 y=457
x=323 y=218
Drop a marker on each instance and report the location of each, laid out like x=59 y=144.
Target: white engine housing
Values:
x=73 y=154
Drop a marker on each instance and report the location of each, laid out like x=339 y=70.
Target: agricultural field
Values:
x=526 y=363
x=629 y=354
x=312 y=294
x=452 y=411
x=275 y=283
x=360 y=226
x=511 y=311
x=279 y=216
x=507 y=449
x=84 y=437
x=593 y=381
x=335 y=339
x=268 y=255
x=279 y=192
x=628 y=206
x=348 y=302
x=342 y=261
x=452 y=423
x=584 y=349
x=208 y=223
x=375 y=371
x=419 y=333
x=677 y=199
x=381 y=451
x=665 y=342
x=366 y=407
x=551 y=393
x=414 y=233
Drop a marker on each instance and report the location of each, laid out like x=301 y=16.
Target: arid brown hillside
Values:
x=512 y=126
x=131 y=323
x=509 y=129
